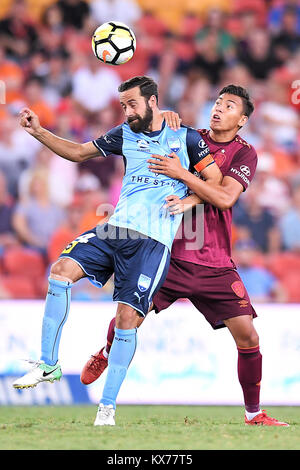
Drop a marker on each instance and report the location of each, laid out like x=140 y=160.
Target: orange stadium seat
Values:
x=257 y=6
x=18 y=287
x=4 y=7
x=291 y=283
x=201 y=8
x=24 y=262
x=284 y=265
x=36 y=8
x=169 y=11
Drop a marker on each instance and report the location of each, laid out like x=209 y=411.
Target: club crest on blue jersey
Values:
x=143 y=282
x=174 y=144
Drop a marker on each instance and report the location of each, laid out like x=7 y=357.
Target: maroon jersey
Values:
x=238 y=160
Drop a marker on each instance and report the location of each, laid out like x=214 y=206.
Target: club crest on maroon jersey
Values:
x=238 y=288
x=219 y=157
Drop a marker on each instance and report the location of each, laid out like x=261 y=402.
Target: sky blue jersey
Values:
x=143 y=194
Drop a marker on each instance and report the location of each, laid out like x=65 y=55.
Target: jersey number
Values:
x=81 y=239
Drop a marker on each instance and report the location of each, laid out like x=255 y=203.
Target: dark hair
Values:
x=147 y=86
x=242 y=93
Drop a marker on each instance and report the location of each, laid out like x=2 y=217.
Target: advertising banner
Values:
x=179 y=359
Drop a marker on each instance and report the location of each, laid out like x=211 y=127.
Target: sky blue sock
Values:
x=119 y=359
x=56 y=313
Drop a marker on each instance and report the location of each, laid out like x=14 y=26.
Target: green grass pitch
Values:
x=144 y=428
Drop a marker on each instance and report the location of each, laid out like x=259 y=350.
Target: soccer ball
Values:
x=113 y=43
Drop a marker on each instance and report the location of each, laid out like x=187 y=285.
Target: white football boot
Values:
x=40 y=372
x=105 y=415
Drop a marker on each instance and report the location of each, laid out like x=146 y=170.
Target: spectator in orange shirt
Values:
x=36 y=102
x=66 y=232
x=91 y=195
x=81 y=215
x=284 y=162
x=12 y=76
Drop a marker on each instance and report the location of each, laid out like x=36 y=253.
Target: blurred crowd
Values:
x=192 y=49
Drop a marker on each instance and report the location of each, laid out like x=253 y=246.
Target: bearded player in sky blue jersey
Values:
x=135 y=244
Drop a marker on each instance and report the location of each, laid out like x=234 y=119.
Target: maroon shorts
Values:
x=218 y=293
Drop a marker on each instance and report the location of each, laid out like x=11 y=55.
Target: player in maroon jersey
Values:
x=207 y=275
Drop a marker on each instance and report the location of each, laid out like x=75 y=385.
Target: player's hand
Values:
x=169 y=166
x=174 y=204
x=30 y=121
x=172 y=119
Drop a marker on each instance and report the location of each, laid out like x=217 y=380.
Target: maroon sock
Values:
x=249 y=373
x=110 y=334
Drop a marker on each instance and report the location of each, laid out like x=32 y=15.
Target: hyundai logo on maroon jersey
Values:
x=245 y=169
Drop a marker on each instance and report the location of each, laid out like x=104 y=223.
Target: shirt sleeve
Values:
x=243 y=166
x=198 y=150
x=110 y=143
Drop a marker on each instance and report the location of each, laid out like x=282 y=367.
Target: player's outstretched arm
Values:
x=67 y=149
x=222 y=195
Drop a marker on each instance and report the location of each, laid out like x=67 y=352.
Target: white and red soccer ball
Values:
x=114 y=43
